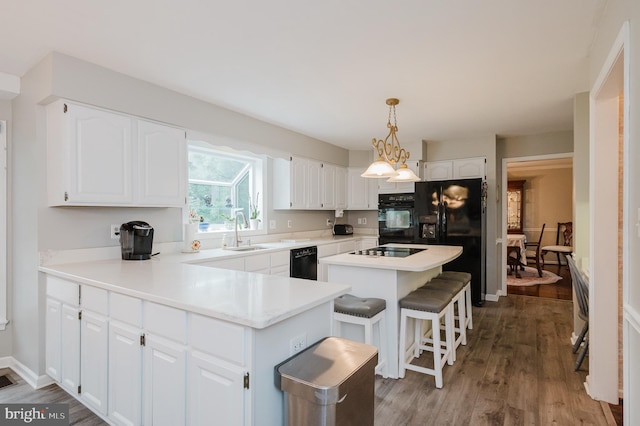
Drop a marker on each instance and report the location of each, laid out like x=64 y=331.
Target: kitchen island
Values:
x=390 y=278
x=154 y=342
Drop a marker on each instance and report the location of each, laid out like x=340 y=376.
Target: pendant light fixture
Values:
x=390 y=154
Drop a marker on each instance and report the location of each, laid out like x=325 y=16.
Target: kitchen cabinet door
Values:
x=385 y=187
x=314 y=187
x=299 y=182
x=328 y=186
x=53 y=338
x=161 y=165
x=89 y=156
x=469 y=168
x=362 y=192
x=94 y=337
x=438 y=170
x=125 y=374
x=70 y=345
x=341 y=187
x=215 y=384
x=164 y=382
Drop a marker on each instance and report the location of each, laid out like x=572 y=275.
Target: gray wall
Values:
x=40 y=228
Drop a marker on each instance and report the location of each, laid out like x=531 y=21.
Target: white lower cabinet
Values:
x=94 y=337
x=125 y=374
x=165 y=387
x=70 y=345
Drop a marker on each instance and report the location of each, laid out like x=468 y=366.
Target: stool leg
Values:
x=417 y=337
x=462 y=320
x=437 y=352
x=368 y=335
x=469 y=307
x=450 y=335
x=403 y=344
x=382 y=329
x=580 y=338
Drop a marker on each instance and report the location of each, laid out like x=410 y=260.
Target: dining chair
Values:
x=532 y=251
x=564 y=242
x=581 y=288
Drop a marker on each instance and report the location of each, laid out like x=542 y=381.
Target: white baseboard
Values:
x=27 y=374
x=492 y=297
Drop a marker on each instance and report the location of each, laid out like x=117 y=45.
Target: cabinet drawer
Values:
x=165 y=321
x=218 y=338
x=63 y=290
x=280 y=258
x=95 y=299
x=125 y=309
x=259 y=262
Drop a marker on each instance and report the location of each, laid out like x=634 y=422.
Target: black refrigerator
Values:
x=452 y=212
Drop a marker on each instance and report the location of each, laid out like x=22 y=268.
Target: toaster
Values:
x=343 y=229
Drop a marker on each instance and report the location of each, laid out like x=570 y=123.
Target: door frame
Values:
x=502 y=291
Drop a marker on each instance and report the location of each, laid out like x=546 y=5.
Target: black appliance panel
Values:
x=304 y=263
x=397 y=219
x=136 y=240
x=452 y=213
x=388 y=251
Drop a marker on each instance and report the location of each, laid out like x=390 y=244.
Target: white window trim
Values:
x=3 y=225
x=260 y=174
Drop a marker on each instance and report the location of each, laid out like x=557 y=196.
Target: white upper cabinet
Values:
x=385 y=187
x=362 y=192
x=89 y=156
x=341 y=187
x=304 y=184
x=102 y=158
x=162 y=165
x=464 y=168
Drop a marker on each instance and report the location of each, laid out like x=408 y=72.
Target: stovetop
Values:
x=388 y=251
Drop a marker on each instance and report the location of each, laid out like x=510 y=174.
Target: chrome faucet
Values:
x=246 y=225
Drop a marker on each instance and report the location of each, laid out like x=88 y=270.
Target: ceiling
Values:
x=460 y=68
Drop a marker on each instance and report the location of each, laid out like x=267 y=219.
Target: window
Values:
x=222 y=183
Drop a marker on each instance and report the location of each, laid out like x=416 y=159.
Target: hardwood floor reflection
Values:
x=516 y=369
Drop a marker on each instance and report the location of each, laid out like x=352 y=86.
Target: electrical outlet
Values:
x=298 y=343
x=289 y=223
x=329 y=223
x=115 y=232
x=364 y=220
x=359 y=221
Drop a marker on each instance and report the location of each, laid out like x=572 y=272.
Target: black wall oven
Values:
x=397 y=220
x=304 y=263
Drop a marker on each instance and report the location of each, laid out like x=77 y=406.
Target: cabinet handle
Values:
x=142 y=340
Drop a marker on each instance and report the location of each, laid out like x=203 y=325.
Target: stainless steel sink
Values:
x=246 y=248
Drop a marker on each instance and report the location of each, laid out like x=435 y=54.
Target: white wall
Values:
x=614 y=16
x=40 y=228
x=6 y=335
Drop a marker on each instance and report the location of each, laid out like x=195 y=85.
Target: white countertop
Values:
x=244 y=298
x=219 y=254
x=432 y=257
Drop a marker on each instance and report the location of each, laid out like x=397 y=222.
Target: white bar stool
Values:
x=427 y=305
x=456 y=289
x=366 y=312
x=465 y=279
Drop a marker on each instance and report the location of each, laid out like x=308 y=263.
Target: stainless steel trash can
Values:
x=329 y=383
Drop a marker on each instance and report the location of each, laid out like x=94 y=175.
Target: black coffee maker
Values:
x=136 y=240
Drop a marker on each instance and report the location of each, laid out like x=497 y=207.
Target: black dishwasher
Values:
x=304 y=263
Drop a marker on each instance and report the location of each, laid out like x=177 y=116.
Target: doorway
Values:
x=547 y=199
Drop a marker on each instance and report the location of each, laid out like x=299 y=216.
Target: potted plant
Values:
x=229 y=222
x=254 y=213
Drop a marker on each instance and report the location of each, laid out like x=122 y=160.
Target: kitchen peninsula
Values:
x=388 y=277
x=171 y=343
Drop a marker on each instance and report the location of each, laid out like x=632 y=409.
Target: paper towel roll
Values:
x=191 y=243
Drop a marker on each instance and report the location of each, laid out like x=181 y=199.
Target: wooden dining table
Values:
x=516 y=255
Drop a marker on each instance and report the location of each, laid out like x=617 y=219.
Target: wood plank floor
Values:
x=517 y=369
x=559 y=290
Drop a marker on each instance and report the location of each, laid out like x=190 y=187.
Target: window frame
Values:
x=257 y=165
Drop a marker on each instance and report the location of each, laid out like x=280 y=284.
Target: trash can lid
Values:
x=324 y=366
